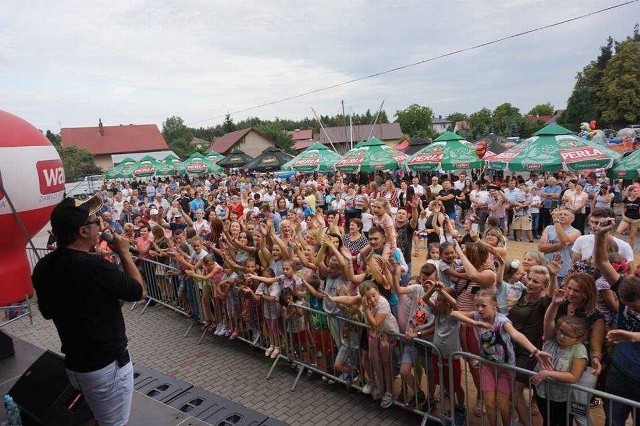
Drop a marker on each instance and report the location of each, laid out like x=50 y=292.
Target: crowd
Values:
x=261 y=249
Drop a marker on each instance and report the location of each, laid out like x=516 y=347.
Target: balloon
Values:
x=593 y=125
x=32 y=177
x=481 y=149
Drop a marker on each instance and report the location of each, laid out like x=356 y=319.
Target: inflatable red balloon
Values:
x=481 y=149
x=32 y=177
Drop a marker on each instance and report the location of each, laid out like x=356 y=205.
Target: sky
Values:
x=69 y=63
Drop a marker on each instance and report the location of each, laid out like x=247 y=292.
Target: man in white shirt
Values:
x=532 y=180
x=435 y=186
x=459 y=184
x=583 y=246
x=417 y=188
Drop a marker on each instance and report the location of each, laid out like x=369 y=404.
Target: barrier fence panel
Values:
x=567 y=411
x=342 y=348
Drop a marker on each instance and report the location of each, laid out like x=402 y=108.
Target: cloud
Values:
x=142 y=61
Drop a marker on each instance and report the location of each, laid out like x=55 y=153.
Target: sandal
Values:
x=478 y=410
x=595 y=403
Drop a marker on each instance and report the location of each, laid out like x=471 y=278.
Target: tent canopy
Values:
x=235 y=158
x=269 y=160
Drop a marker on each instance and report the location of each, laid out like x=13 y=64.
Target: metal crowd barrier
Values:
x=331 y=346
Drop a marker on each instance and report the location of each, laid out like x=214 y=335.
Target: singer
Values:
x=81 y=293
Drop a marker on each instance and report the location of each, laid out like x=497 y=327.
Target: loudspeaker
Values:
x=46 y=397
x=6 y=346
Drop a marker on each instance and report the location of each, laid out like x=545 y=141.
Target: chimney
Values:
x=101 y=129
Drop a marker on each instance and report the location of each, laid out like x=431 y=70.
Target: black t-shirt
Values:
x=449 y=205
x=632 y=208
x=404 y=240
x=81 y=293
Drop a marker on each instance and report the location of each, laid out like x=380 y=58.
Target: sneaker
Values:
x=328 y=380
x=256 y=338
x=218 y=328
x=461 y=416
x=387 y=400
x=366 y=389
x=376 y=393
x=269 y=350
x=234 y=335
x=275 y=353
x=222 y=331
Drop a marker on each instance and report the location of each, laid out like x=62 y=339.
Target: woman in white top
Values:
x=576 y=203
x=200 y=225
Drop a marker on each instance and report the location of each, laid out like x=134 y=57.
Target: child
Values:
x=293 y=316
x=271 y=309
x=211 y=272
x=367 y=221
x=607 y=302
x=496 y=346
x=248 y=306
x=227 y=302
x=564 y=341
x=509 y=289
x=534 y=210
x=420 y=234
x=449 y=265
x=433 y=255
x=447 y=339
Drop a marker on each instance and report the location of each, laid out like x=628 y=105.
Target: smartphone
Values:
x=474 y=227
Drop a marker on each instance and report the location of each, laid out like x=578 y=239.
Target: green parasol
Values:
x=370 y=156
x=118 y=171
x=173 y=164
x=214 y=156
x=553 y=148
x=628 y=167
x=149 y=166
x=448 y=152
x=198 y=164
x=316 y=158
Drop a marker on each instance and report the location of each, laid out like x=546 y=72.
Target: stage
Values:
x=157 y=400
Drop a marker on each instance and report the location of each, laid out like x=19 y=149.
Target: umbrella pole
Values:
x=375 y=120
x=323 y=129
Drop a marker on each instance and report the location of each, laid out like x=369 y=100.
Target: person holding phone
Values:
x=81 y=293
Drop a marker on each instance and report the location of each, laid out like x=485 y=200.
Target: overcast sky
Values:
x=68 y=63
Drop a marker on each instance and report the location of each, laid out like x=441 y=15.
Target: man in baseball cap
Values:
x=81 y=292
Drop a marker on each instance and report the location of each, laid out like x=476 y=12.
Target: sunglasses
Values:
x=93 y=222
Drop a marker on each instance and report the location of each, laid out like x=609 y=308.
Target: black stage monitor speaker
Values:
x=45 y=395
x=6 y=346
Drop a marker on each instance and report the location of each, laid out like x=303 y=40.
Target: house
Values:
x=302 y=139
x=248 y=140
x=198 y=142
x=105 y=141
x=341 y=137
x=546 y=119
x=441 y=125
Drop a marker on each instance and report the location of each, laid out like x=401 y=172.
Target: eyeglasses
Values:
x=92 y=222
x=565 y=334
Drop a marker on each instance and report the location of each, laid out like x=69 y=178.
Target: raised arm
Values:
x=486 y=278
x=600 y=256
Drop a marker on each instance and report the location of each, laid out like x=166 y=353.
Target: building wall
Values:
x=253 y=144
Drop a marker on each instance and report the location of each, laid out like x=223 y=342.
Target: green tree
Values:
x=178 y=137
x=55 y=139
x=542 y=109
x=529 y=127
x=77 y=163
x=506 y=120
x=416 y=121
x=228 y=126
x=621 y=86
x=275 y=132
x=585 y=102
x=480 y=123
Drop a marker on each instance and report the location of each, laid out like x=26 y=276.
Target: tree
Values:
x=174 y=128
x=77 y=163
x=416 y=121
x=277 y=134
x=55 y=139
x=480 y=123
x=506 y=120
x=621 y=85
x=585 y=101
x=454 y=118
x=228 y=126
x=542 y=109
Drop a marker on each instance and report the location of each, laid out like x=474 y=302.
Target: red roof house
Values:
x=104 y=141
x=248 y=140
